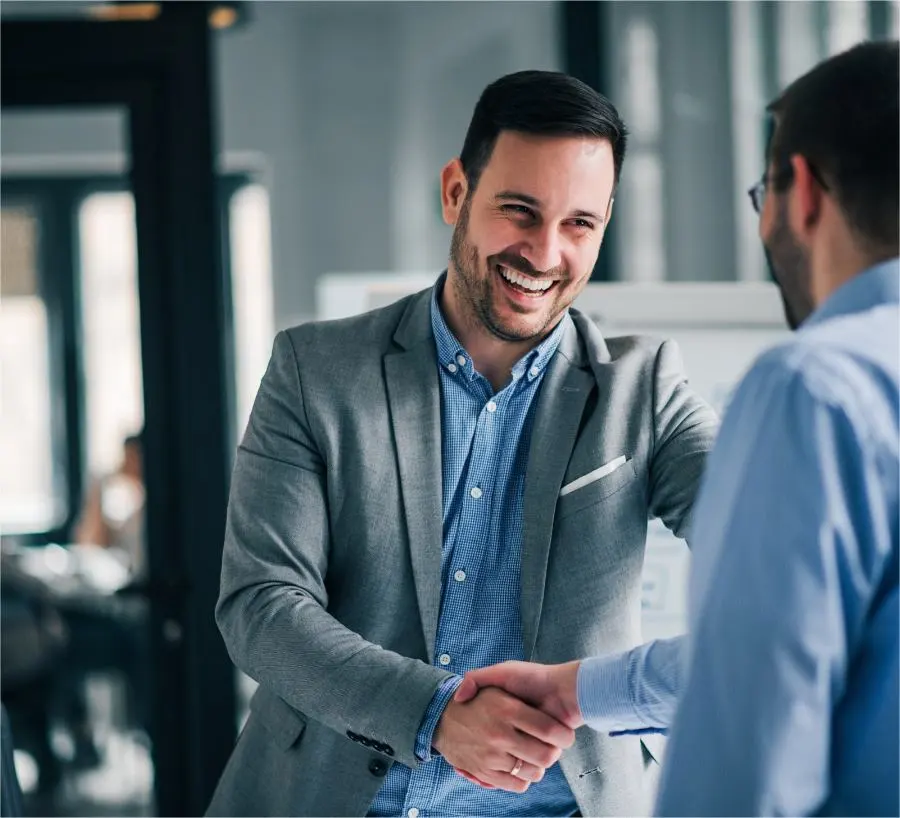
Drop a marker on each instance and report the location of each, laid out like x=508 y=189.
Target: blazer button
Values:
x=378 y=767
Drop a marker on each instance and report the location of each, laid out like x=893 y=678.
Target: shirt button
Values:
x=412 y=812
x=444 y=659
x=491 y=406
x=533 y=371
x=461 y=360
x=451 y=367
x=459 y=576
x=475 y=492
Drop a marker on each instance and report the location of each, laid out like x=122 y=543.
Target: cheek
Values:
x=581 y=259
x=765 y=223
x=501 y=236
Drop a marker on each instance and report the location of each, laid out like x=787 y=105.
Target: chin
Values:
x=513 y=331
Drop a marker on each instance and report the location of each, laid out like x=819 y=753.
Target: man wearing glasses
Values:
x=787 y=687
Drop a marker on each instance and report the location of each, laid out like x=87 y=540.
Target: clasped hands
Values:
x=508 y=723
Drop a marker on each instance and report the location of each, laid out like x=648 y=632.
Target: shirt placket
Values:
x=472 y=534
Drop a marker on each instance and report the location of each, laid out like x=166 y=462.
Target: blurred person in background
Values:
x=113 y=513
x=788 y=682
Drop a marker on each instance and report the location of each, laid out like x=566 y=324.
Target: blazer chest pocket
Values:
x=596 y=491
x=284 y=723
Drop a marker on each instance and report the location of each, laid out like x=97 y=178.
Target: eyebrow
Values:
x=506 y=195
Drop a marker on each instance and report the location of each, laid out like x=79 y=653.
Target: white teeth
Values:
x=534 y=284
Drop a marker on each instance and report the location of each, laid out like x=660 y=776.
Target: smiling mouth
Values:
x=526 y=285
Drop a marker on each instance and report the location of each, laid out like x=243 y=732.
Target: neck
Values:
x=493 y=357
x=839 y=261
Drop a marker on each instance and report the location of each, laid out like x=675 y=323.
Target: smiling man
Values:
x=461 y=478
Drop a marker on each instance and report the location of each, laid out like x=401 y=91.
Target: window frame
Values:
x=56 y=200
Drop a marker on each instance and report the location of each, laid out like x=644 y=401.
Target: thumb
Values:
x=467 y=690
x=474 y=680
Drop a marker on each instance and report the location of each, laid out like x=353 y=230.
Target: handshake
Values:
x=508 y=723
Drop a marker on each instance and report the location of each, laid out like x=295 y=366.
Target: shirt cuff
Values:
x=433 y=714
x=604 y=695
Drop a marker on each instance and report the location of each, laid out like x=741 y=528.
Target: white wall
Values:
x=348 y=110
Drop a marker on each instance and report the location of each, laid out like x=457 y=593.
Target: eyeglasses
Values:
x=757 y=193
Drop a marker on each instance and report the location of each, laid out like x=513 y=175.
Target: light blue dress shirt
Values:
x=485 y=442
x=789 y=700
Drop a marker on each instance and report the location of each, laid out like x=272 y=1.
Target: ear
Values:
x=454 y=188
x=805 y=199
x=609 y=210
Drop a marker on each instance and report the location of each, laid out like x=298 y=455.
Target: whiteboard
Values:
x=720 y=328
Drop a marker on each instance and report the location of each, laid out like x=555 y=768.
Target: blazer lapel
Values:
x=413 y=388
x=561 y=404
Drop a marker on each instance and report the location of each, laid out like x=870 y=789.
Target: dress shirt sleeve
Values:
x=433 y=714
x=632 y=692
x=273 y=607
x=779 y=585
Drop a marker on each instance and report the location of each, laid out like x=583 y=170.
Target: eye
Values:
x=583 y=224
x=518 y=210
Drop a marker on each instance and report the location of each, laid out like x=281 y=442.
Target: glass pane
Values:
x=32 y=499
x=251 y=280
x=112 y=353
x=75 y=663
x=848 y=24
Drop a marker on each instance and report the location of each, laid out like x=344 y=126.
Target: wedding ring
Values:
x=516 y=767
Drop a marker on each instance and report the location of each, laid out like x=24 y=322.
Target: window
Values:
x=114 y=401
x=70 y=356
x=32 y=489
x=251 y=287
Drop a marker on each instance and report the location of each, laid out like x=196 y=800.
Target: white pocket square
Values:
x=592 y=476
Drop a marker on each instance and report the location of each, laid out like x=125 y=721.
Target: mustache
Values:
x=525 y=267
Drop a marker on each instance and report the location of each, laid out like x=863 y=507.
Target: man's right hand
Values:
x=486 y=736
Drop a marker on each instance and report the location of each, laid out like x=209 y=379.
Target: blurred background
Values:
x=181 y=181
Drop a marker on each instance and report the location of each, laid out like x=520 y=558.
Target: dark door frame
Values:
x=159 y=71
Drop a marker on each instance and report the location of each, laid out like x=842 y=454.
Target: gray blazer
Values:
x=331 y=569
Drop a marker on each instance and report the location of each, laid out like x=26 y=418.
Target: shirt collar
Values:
x=877 y=285
x=452 y=355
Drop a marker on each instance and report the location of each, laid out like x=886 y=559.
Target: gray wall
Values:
x=348 y=111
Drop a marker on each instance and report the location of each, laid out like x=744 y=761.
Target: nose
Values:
x=543 y=250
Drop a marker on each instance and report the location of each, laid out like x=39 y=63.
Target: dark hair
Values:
x=539 y=102
x=842 y=116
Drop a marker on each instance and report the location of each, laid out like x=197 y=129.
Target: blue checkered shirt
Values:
x=486 y=438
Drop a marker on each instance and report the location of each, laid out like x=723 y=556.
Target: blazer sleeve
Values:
x=685 y=427
x=272 y=607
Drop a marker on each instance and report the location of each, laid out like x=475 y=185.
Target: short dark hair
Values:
x=842 y=116
x=539 y=102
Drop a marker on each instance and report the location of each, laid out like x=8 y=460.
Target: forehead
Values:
x=563 y=171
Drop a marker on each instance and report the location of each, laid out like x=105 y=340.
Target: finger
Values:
x=527 y=772
x=495 y=675
x=505 y=781
x=474 y=780
x=467 y=690
x=543 y=727
x=529 y=749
